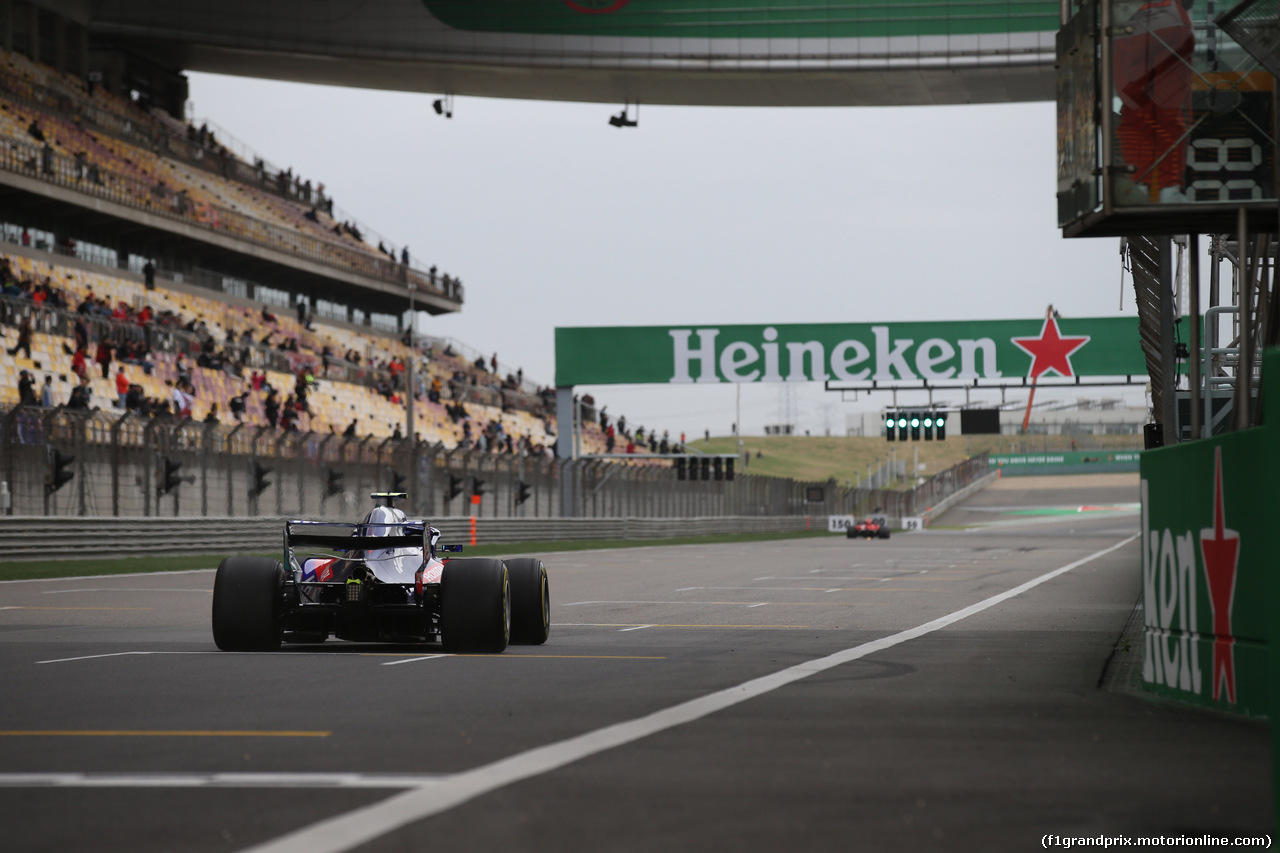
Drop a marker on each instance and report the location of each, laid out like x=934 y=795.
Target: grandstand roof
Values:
x=759 y=52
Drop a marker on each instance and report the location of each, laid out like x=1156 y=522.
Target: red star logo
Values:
x=1050 y=351
x=1220 y=548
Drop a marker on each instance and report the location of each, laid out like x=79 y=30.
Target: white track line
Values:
x=217 y=780
x=103 y=577
x=347 y=831
x=126 y=589
x=415 y=659
x=125 y=654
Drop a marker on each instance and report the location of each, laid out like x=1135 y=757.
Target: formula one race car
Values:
x=378 y=581
x=875 y=527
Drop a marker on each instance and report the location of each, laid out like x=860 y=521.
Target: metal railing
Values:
x=119 y=462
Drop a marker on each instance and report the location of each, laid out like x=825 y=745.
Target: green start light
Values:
x=928 y=422
x=888 y=422
x=902 y=423
x=942 y=422
x=915 y=422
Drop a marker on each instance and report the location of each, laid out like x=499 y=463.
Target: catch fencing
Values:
x=122 y=465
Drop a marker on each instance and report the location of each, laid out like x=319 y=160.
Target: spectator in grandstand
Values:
x=212 y=417
x=122 y=388
x=102 y=357
x=177 y=398
x=46 y=159
x=24 y=338
x=80 y=396
x=271 y=408
x=48 y=398
x=135 y=398
x=494 y=361
x=397 y=435
x=182 y=368
x=80 y=332
x=79 y=364
x=26 y=389
x=149 y=274
x=350 y=431
x=289 y=415
x=35 y=131
x=236 y=405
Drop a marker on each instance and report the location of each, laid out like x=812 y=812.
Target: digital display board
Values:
x=1164 y=113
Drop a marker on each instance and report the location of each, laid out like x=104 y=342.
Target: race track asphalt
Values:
x=123 y=729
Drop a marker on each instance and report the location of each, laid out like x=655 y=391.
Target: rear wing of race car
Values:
x=345 y=538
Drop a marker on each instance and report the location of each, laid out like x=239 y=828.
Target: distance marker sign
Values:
x=947 y=351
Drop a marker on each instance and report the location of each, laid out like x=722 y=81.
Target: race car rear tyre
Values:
x=475 y=606
x=246 y=604
x=530 y=601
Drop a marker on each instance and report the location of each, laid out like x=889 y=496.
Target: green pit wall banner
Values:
x=1066 y=462
x=1210 y=563
x=947 y=351
x=766 y=19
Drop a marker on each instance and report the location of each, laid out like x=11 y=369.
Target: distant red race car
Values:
x=874 y=527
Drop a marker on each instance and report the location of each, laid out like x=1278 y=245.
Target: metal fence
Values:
x=120 y=462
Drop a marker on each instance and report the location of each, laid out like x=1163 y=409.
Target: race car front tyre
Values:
x=884 y=533
x=475 y=606
x=530 y=601
x=850 y=533
x=246 y=604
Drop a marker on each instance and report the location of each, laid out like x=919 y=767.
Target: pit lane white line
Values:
x=217 y=780
x=347 y=831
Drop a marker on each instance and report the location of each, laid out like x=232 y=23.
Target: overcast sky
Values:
x=700 y=215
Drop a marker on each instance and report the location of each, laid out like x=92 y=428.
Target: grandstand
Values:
x=262 y=296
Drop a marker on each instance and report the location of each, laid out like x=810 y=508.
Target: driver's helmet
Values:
x=391 y=565
x=384 y=521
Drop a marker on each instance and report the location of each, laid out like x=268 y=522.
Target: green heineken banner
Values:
x=1208 y=567
x=883 y=353
x=762 y=19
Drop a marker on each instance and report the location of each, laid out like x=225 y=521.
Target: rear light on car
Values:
x=355 y=590
x=417 y=581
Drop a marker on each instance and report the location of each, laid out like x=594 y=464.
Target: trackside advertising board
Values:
x=1209 y=548
x=1065 y=462
x=948 y=351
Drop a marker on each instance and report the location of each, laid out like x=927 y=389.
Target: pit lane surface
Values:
x=985 y=734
